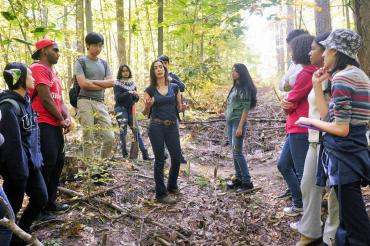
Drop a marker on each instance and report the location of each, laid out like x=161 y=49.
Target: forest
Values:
x=112 y=201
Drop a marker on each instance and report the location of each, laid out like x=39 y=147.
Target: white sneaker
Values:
x=293 y=211
x=294 y=226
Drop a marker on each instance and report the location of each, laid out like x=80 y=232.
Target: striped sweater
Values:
x=350 y=102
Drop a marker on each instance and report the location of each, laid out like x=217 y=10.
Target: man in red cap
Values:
x=53 y=118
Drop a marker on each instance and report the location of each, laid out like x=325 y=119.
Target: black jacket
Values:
x=21 y=148
x=176 y=80
x=124 y=100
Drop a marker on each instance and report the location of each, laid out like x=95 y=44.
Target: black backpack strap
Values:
x=18 y=110
x=105 y=67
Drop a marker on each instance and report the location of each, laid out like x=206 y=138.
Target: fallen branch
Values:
x=221 y=120
x=11 y=225
x=119 y=209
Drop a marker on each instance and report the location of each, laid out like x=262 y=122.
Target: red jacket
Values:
x=298 y=96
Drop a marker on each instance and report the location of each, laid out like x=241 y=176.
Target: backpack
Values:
x=74 y=91
x=18 y=110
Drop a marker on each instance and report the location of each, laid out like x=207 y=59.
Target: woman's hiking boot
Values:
x=244 y=188
x=233 y=184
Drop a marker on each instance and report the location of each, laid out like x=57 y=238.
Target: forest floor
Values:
x=123 y=210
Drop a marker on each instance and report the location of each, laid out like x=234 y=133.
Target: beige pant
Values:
x=95 y=121
x=310 y=223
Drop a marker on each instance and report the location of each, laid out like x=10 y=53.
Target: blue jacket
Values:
x=346 y=159
x=21 y=148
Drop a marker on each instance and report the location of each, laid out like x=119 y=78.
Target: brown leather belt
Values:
x=164 y=122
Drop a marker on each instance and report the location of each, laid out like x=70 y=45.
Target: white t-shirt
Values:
x=290 y=76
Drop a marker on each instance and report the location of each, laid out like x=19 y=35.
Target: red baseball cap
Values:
x=43 y=43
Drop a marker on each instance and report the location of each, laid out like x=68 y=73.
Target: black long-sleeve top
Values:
x=176 y=80
x=122 y=96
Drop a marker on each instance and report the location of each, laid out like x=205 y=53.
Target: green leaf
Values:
x=8 y=15
x=39 y=29
x=6 y=41
x=57 y=2
x=22 y=41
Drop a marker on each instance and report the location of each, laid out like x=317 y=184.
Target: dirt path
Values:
x=206 y=213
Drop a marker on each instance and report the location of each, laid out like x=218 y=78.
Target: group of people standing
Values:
x=328 y=113
x=35 y=119
x=327 y=103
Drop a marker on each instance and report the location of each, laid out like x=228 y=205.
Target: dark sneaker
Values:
x=293 y=211
x=233 y=184
x=167 y=200
x=58 y=207
x=46 y=215
x=147 y=157
x=244 y=188
x=286 y=195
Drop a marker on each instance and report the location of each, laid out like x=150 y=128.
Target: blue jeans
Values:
x=5 y=234
x=292 y=158
x=236 y=143
x=160 y=135
x=125 y=119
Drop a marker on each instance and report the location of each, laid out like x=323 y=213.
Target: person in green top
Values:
x=241 y=99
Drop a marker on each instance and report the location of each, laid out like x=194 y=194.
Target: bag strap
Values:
x=15 y=104
x=105 y=67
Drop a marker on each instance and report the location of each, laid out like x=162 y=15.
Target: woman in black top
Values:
x=125 y=95
x=21 y=159
x=163 y=104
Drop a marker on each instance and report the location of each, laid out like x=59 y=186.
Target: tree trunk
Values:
x=160 y=27
x=322 y=16
x=80 y=26
x=89 y=16
x=362 y=17
x=280 y=54
x=68 y=46
x=129 y=33
x=121 y=42
x=150 y=28
x=289 y=27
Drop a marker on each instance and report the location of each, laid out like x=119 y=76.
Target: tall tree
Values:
x=68 y=45
x=80 y=26
x=322 y=16
x=362 y=17
x=160 y=27
x=89 y=16
x=289 y=25
x=129 y=33
x=121 y=42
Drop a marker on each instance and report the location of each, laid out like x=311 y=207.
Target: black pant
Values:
x=52 y=149
x=354 y=224
x=35 y=188
x=159 y=135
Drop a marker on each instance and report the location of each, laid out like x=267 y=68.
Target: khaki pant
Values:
x=95 y=121
x=310 y=223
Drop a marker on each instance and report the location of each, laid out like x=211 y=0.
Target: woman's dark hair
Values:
x=321 y=37
x=164 y=58
x=94 y=38
x=295 y=33
x=153 y=79
x=8 y=75
x=244 y=85
x=120 y=69
x=301 y=47
x=342 y=61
